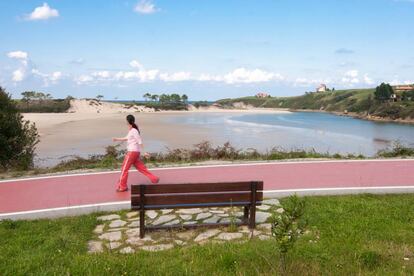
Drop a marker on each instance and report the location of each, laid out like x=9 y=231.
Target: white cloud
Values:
x=135 y=64
x=242 y=75
x=18 y=75
x=48 y=78
x=55 y=76
x=141 y=75
x=17 y=55
x=179 y=76
x=128 y=75
x=239 y=75
x=351 y=77
x=368 y=80
x=145 y=7
x=306 y=82
x=148 y=75
x=208 y=77
x=108 y=77
x=352 y=73
x=43 y=12
x=83 y=79
x=397 y=81
x=101 y=74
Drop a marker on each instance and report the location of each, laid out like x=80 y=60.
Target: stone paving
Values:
x=120 y=232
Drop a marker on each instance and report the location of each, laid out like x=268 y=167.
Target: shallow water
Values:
x=319 y=131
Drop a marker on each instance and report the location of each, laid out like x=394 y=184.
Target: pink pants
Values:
x=132 y=158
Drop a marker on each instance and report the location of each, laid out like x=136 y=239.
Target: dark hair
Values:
x=131 y=121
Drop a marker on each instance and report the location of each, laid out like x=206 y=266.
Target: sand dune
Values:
x=95 y=106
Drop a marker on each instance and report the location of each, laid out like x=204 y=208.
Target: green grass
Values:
x=359 y=101
x=351 y=235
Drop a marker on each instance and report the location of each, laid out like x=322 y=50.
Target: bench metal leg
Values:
x=252 y=222
x=142 y=211
x=141 y=223
x=252 y=219
x=246 y=213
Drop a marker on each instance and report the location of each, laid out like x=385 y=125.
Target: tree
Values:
x=408 y=95
x=99 y=97
x=383 y=92
x=147 y=96
x=28 y=96
x=175 y=98
x=184 y=98
x=155 y=97
x=18 y=138
x=164 y=98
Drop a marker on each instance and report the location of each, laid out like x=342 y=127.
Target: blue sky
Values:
x=206 y=49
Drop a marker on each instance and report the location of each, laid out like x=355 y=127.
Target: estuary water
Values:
x=322 y=132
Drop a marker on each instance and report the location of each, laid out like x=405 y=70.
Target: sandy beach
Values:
x=64 y=135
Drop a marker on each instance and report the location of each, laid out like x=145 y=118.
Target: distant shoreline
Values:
x=87 y=106
x=358 y=116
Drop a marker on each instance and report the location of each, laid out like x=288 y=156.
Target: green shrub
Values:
x=397 y=150
x=18 y=138
x=288 y=226
x=44 y=106
x=370 y=259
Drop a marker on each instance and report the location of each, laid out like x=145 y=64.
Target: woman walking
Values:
x=134 y=148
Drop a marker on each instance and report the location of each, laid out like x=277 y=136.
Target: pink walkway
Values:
x=73 y=190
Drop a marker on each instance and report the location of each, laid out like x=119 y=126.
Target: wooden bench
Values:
x=198 y=195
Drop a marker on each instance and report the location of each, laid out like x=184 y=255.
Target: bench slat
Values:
x=172 y=199
x=196 y=187
x=194 y=205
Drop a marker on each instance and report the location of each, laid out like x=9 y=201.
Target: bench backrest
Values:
x=161 y=196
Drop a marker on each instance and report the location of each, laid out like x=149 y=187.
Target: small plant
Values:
x=288 y=226
x=233 y=226
x=370 y=259
x=397 y=150
x=9 y=224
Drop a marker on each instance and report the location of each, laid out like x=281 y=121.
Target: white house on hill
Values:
x=262 y=95
x=321 y=88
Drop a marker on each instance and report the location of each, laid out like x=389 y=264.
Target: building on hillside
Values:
x=322 y=88
x=262 y=95
x=403 y=88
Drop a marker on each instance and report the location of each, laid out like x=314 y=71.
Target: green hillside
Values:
x=358 y=101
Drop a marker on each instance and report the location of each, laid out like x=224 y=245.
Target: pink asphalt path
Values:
x=74 y=190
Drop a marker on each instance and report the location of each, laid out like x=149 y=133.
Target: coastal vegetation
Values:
x=363 y=103
x=18 y=138
x=38 y=102
x=166 y=101
x=349 y=235
x=199 y=153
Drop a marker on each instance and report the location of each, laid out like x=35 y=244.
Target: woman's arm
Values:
x=146 y=154
x=120 y=139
